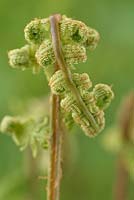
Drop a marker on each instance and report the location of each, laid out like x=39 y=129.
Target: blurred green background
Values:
x=91 y=173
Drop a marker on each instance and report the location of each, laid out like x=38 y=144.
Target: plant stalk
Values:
x=55 y=170
x=55 y=160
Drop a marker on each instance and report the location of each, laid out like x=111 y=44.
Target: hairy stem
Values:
x=56 y=143
x=67 y=73
x=55 y=160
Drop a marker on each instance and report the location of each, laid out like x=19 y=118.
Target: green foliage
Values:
x=29 y=129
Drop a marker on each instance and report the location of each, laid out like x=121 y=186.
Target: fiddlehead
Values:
x=71 y=40
x=56 y=44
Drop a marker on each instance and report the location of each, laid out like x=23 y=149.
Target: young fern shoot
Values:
x=56 y=44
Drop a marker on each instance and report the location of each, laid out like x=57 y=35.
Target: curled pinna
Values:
x=36 y=31
x=76 y=37
x=77 y=32
x=101 y=93
x=58 y=83
x=24 y=58
x=73 y=54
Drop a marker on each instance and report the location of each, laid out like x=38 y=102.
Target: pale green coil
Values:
x=82 y=81
x=20 y=58
x=45 y=54
x=90 y=102
x=92 y=39
x=58 y=83
x=36 y=31
x=103 y=95
x=77 y=31
x=73 y=30
x=23 y=58
x=73 y=54
x=69 y=104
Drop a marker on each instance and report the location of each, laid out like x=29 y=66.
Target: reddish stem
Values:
x=56 y=139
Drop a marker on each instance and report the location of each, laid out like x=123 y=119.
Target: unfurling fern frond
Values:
x=95 y=100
